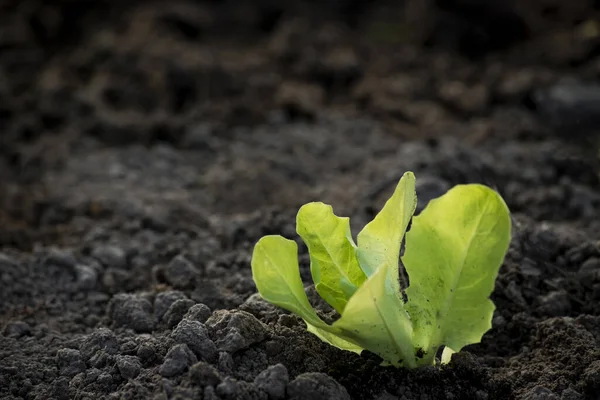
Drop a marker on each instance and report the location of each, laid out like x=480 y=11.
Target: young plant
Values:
x=453 y=252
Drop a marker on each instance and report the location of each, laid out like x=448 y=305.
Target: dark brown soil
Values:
x=146 y=146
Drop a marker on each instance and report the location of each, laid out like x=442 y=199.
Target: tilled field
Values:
x=145 y=148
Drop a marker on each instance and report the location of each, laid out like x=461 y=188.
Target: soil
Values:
x=146 y=146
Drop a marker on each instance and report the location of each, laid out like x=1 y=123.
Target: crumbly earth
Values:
x=145 y=147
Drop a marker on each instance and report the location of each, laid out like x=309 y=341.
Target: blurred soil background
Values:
x=145 y=146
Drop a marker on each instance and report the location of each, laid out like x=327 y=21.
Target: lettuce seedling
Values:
x=453 y=252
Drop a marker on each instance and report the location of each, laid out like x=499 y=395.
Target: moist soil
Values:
x=146 y=146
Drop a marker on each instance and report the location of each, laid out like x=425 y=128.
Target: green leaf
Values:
x=380 y=240
x=276 y=274
x=335 y=338
x=333 y=264
x=453 y=253
x=365 y=320
x=375 y=319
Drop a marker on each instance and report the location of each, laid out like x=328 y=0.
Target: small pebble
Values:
x=195 y=336
x=100 y=340
x=198 y=312
x=17 y=329
x=181 y=273
x=131 y=311
x=129 y=366
x=70 y=362
x=164 y=300
x=87 y=277
x=235 y=330
x=273 y=381
x=316 y=386
x=176 y=312
x=104 y=379
x=177 y=361
x=205 y=374
x=110 y=256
